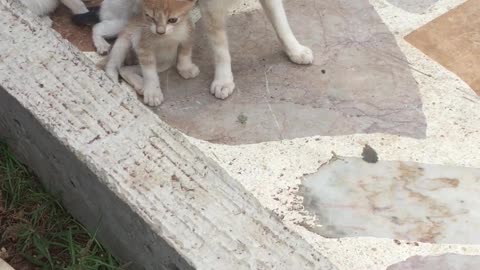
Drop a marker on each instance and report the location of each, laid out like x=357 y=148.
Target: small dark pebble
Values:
x=369 y=154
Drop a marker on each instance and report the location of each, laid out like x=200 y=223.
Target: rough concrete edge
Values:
x=91 y=182
x=5 y=266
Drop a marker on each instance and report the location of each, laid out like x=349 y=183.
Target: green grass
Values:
x=35 y=228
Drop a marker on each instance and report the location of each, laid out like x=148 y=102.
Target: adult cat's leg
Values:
x=297 y=53
x=106 y=29
x=76 y=6
x=214 y=18
x=185 y=67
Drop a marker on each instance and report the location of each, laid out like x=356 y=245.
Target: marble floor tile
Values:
x=393 y=199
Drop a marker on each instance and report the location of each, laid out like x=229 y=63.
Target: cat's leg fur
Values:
x=152 y=93
x=117 y=56
x=214 y=18
x=185 y=67
x=105 y=29
x=76 y=6
x=132 y=75
x=297 y=53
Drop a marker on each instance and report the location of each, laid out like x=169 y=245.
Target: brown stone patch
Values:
x=453 y=41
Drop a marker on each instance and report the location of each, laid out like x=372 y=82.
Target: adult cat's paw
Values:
x=302 y=55
x=188 y=72
x=46 y=20
x=102 y=46
x=222 y=88
x=152 y=96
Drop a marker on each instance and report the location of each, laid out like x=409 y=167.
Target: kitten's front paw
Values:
x=222 y=88
x=188 y=72
x=302 y=56
x=102 y=46
x=153 y=96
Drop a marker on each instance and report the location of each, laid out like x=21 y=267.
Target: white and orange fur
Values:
x=214 y=17
x=160 y=37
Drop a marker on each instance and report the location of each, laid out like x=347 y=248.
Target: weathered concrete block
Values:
x=157 y=200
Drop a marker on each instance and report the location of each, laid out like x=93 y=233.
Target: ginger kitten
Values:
x=160 y=38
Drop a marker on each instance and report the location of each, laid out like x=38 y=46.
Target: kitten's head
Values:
x=165 y=15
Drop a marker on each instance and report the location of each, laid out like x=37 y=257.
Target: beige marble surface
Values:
x=441 y=262
x=395 y=199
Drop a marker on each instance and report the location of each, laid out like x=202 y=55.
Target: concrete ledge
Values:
x=158 y=201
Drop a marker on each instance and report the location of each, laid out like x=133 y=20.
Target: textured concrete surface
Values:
x=157 y=200
x=4 y=265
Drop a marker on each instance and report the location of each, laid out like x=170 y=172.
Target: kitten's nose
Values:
x=160 y=30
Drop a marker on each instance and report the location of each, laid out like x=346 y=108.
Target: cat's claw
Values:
x=189 y=72
x=222 y=89
x=153 y=96
x=302 y=55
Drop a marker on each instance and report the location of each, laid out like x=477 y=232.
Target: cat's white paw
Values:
x=152 y=96
x=302 y=55
x=188 y=72
x=138 y=86
x=112 y=73
x=46 y=20
x=222 y=88
x=102 y=46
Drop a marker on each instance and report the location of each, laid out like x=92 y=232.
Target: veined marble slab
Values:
x=392 y=199
x=442 y=262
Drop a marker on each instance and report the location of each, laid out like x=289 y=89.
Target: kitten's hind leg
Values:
x=297 y=53
x=132 y=75
x=106 y=29
x=185 y=67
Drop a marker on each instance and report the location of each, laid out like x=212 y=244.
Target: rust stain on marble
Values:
x=400 y=200
x=442 y=262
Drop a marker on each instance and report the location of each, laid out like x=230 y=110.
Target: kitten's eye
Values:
x=173 y=20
